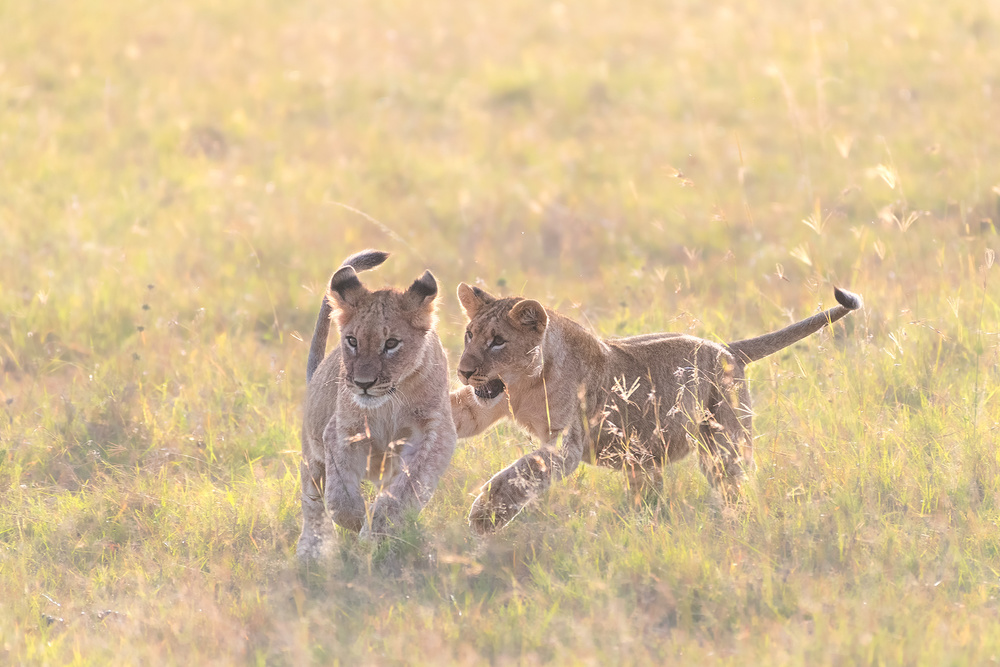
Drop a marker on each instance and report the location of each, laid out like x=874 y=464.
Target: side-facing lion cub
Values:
x=632 y=403
x=377 y=408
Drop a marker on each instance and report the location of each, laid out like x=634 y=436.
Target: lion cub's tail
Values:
x=362 y=261
x=753 y=349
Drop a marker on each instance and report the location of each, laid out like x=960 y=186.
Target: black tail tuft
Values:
x=365 y=260
x=848 y=300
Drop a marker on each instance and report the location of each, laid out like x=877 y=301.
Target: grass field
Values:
x=179 y=179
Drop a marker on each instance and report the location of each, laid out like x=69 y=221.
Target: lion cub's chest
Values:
x=383 y=436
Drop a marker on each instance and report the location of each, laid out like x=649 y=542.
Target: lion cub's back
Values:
x=664 y=353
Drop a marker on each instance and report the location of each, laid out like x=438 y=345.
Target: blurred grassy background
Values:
x=178 y=180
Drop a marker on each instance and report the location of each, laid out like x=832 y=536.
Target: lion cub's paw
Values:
x=500 y=500
x=312 y=548
x=386 y=513
x=484 y=518
x=379 y=528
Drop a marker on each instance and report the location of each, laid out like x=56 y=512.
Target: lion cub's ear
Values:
x=472 y=299
x=345 y=291
x=529 y=314
x=421 y=293
x=418 y=301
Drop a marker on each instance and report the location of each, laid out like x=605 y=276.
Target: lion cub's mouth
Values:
x=490 y=389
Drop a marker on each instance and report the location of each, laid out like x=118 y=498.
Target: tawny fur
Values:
x=629 y=403
x=376 y=408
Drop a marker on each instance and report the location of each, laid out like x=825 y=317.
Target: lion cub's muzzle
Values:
x=481 y=387
x=369 y=393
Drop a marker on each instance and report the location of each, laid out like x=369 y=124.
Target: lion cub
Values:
x=377 y=408
x=629 y=403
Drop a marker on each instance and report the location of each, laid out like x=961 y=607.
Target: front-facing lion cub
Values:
x=632 y=403
x=377 y=408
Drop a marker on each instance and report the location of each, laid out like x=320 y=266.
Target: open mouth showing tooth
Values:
x=491 y=389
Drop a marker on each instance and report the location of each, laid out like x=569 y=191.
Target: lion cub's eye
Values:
x=352 y=341
x=391 y=344
x=468 y=336
x=497 y=343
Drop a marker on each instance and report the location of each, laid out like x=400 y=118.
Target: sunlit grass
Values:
x=178 y=180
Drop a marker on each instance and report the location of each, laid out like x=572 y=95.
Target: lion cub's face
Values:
x=383 y=334
x=502 y=341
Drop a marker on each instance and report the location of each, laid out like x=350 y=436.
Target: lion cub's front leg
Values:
x=472 y=417
x=315 y=525
x=422 y=462
x=346 y=462
x=514 y=487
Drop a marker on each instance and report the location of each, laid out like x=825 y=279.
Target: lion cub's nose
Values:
x=465 y=374
x=363 y=384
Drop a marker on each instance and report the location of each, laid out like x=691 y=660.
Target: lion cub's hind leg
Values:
x=726 y=451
